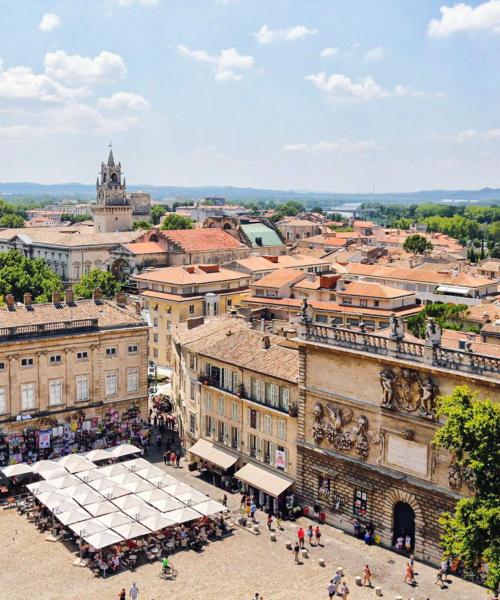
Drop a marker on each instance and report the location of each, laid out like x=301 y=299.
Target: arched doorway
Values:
x=403 y=522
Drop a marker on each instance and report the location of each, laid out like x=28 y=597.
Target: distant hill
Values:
x=235 y=193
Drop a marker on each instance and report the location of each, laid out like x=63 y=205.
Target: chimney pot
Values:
x=266 y=342
x=97 y=294
x=121 y=299
x=69 y=296
x=9 y=299
x=56 y=297
x=138 y=308
x=27 y=299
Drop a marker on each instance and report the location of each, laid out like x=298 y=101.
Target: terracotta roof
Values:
x=306 y=284
x=212 y=329
x=374 y=290
x=475 y=347
x=363 y=224
x=202 y=240
x=279 y=278
x=67 y=236
x=166 y=296
x=490 y=265
x=190 y=275
x=477 y=313
x=325 y=240
x=298 y=223
x=451 y=334
x=108 y=313
x=144 y=248
x=493 y=328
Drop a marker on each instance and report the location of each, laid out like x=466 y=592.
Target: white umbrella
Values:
x=112 y=470
x=162 y=481
x=77 y=489
x=167 y=504
x=51 y=499
x=138 y=486
x=125 y=477
x=112 y=520
x=183 y=515
x=103 y=507
x=124 y=450
x=102 y=484
x=88 y=527
x=40 y=487
x=65 y=481
x=44 y=465
x=178 y=488
x=53 y=473
x=90 y=475
x=150 y=472
x=103 y=538
x=96 y=455
x=88 y=496
x=154 y=494
x=61 y=506
x=157 y=522
x=139 y=513
x=126 y=502
x=131 y=530
x=192 y=497
x=135 y=464
x=210 y=507
x=72 y=516
x=115 y=492
x=75 y=463
x=16 y=470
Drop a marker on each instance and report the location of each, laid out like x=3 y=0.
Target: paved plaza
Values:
x=230 y=569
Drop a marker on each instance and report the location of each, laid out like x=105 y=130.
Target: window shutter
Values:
x=236 y=379
x=286 y=459
x=272 y=451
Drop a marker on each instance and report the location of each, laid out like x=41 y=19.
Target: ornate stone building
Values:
x=366 y=424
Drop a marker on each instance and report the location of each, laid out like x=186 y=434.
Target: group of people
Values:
x=365 y=533
x=337 y=586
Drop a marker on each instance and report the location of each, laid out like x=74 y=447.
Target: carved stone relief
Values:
x=407 y=391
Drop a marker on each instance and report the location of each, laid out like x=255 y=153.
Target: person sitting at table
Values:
x=115 y=563
x=131 y=544
x=92 y=552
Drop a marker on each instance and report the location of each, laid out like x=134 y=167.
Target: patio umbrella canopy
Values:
x=53 y=473
x=113 y=470
x=178 y=488
x=163 y=481
x=103 y=507
x=65 y=481
x=88 y=496
x=183 y=515
x=150 y=472
x=131 y=530
x=125 y=477
x=167 y=504
x=192 y=497
x=114 y=519
x=157 y=522
x=138 y=486
x=102 y=539
x=90 y=475
x=16 y=470
x=114 y=492
x=154 y=494
x=139 y=513
x=72 y=516
x=40 y=487
x=102 y=484
x=126 y=502
x=87 y=527
x=135 y=464
x=124 y=450
x=97 y=455
x=61 y=506
x=80 y=488
x=75 y=463
x=44 y=465
x=210 y=507
x=52 y=498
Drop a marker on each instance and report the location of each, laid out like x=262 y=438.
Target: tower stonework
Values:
x=112 y=211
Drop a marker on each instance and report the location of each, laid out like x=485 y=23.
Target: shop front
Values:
x=269 y=488
x=217 y=462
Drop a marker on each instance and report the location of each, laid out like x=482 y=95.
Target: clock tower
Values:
x=112 y=211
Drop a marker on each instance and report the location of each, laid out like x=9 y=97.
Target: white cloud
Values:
x=49 y=22
x=121 y=100
x=463 y=17
x=16 y=132
x=267 y=36
x=138 y=2
x=466 y=135
x=226 y=2
x=342 y=145
x=374 y=54
x=22 y=83
x=329 y=52
x=74 y=69
x=492 y=134
x=228 y=65
x=340 y=88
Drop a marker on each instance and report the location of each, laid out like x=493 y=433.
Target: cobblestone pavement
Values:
x=231 y=569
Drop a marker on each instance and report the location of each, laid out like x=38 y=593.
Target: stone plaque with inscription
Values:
x=407 y=455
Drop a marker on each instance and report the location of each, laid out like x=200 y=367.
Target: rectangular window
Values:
x=191 y=309
x=337 y=321
x=253 y=418
x=56 y=359
x=132 y=380
x=253 y=388
x=360 y=503
x=235 y=438
x=281 y=430
x=208 y=426
x=208 y=402
x=221 y=406
x=111 y=383
x=2 y=366
x=82 y=355
x=27 y=362
x=347 y=300
x=192 y=391
x=268 y=424
x=27 y=396
x=82 y=388
x=192 y=424
x=221 y=432
x=267 y=452
x=155 y=322
x=133 y=349
x=275 y=395
x=3 y=401
x=267 y=392
x=111 y=352
x=155 y=338
x=376 y=303
x=192 y=362
x=363 y=302
x=321 y=319
x=353 y=322
x=55 y=392
x=234 y=411
x=236 y=382
x=285 y=398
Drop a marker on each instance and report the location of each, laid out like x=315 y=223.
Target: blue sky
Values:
x=334 y=95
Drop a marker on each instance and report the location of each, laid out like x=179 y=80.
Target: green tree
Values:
x=142 y=224
x=417 y=244
x=97 y=278
x=156 y=213
x=471 y=433
x=11 y=221
x=403 y=223
x=175 y=221
x=19 y=275
x=449 y=316
x=75 y=218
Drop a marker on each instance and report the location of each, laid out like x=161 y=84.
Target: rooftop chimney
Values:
x=189 y=268
x=209 y=268
x=195 y=322
x=9 y=299
x=69 y=296
x=97 y=295
x=121 y=299
x=27 y=299
x=137 y=308
x=56 y=297
x=273 y=259
x=266 y=342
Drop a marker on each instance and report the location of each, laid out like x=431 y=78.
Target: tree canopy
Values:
x=20 y=275
x=97 y=278
x=449 y=316
x=12 y=221
x=142 y=224
x=156 y=213
x=175 y=221
x=417 y=244
x=471 y=433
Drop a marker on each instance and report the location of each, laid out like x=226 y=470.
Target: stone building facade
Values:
x=366 y=423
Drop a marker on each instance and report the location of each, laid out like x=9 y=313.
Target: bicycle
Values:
x=169 y=573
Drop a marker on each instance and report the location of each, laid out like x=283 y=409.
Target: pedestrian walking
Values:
x=256 y=597
x=344 y=591
x=331 y=590
x=165 y=457
x=122 y=595
x=409 y=578
x=178 y=459
x=269 y=521
x=439 y=578
x=278 y=521
x=224 y=501
x=310 y=534
x=367 y=574
x=317 y=535
x=357 y=528
x=243 y=500
x=301 y=535
x=296 y=550
x=408 y=543
x=158 y=440
x=134 y=592
x=173 y=458
x=445 y=567
x=399 y=543
x=336 y=581
x=253 y=510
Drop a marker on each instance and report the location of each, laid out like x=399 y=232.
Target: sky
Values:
x=324 y=95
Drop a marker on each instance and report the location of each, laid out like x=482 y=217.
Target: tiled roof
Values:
x=297 y=223
x=493 y=328
x=203 y=240
x=189 y=275
x=268 y=236
x=363 y=224
x=144 y=248
x=68 y=236
x=168 y=297
x=211 y=329
x=481 y=311
x=325 y=240
x=279 y=278
x=260 y=263
x=306 y=284
x=373 y=290
x=108 y=313
x=475 y=347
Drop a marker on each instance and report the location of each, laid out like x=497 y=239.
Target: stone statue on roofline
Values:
x=433 y=333
x=397 y=327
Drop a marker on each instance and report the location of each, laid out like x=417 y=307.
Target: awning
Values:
x=271 y=483
x=453 y=289
x=214 y=454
